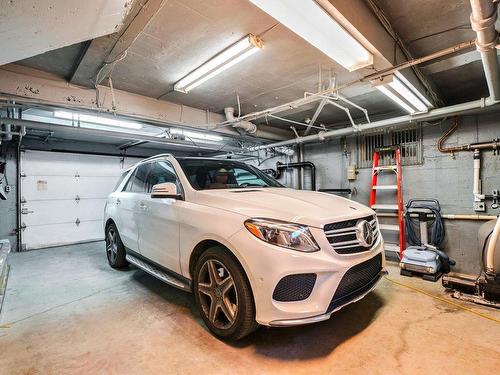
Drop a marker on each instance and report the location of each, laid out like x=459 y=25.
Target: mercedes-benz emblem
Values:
x=364 y=233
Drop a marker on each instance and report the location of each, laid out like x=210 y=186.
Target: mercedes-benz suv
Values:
x=251 y=250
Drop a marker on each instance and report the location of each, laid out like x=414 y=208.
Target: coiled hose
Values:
x=412 y=225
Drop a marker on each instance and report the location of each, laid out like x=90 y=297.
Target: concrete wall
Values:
x=440 y=177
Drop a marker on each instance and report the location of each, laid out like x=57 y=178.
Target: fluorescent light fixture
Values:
x=224 y=60
x=97 y=120
x=196 y=135
x=395 y=98
x=402 y=92
x=311 y=22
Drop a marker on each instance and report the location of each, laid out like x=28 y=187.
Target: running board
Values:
x=158 y=273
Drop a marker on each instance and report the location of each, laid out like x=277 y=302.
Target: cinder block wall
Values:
x=447 y=179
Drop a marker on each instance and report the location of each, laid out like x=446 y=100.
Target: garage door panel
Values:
x=56 y=163
x=45 y=187
x=64 y=196
x=35 y=237
x=95 y=187
x=62 y=211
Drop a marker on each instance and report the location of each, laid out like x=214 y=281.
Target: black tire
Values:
x=115 y=251
x=243 y=318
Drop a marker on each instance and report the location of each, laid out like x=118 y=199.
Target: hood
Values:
x=299 y=206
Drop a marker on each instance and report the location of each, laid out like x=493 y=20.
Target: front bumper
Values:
x=266 y=265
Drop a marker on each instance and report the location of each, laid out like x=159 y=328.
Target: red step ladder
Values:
x=396 y=169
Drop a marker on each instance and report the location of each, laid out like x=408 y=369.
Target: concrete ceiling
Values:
x=31 y=27
x=181 y=34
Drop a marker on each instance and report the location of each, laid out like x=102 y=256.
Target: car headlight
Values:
x=280 y=233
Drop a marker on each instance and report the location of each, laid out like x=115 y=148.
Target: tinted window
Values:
x=161 y=171
x=137 y=182
x=122 y=177
x=224 y=174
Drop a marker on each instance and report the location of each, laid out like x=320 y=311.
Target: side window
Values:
x=137 y=182
x=161 y=171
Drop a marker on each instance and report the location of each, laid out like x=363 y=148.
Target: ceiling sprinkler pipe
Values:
x=433 y=114
x=247 y=126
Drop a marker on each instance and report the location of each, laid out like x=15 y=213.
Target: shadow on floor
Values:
x=296 y=343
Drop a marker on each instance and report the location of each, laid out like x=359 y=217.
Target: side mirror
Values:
x=165 y=190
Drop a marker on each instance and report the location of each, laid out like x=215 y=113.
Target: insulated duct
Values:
x=482 y=19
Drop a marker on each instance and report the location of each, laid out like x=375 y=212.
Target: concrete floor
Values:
x=67 y=312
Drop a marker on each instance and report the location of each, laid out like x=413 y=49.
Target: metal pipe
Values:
x=115 y=134
x=482 y=19
x=477 y=180
x=401 y=120
x=282 y=166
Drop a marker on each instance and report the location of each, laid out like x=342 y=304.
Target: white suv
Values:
x=252 y=251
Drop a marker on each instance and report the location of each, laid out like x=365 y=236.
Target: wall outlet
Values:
x=479 y=207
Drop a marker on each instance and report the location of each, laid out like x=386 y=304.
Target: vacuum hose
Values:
x=412 y=224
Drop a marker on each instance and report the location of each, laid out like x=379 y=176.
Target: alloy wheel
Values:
x=111 y=245
x=218 y=294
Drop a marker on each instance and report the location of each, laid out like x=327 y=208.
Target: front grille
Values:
x=356 y=281
x=294 y=287
x=342 y=235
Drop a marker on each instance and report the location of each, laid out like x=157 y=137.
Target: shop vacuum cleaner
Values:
x=423 y=257
x=484 y=288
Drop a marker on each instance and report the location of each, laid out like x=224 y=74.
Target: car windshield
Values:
x=224 y=174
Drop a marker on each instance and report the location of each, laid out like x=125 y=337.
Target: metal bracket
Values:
x=77 y=221
x=77 y=199
x=25 y=211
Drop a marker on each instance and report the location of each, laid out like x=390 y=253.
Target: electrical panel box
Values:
x=352 y=172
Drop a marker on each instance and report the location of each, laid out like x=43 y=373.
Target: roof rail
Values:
x=156 y=156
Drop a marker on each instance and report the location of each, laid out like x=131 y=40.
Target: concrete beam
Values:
x=111 y=48
x=27 y=85
x=32 y=27
x=451 y=62
x=357 y=18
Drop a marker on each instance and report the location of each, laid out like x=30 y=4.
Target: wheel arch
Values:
x=206 y=244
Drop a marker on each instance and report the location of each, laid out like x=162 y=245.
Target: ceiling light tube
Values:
x=224 y=60
x=97 y=120
x=195 y=135
x=413 y=89
x=311 y=22
x=402 y=92
x=395 y=98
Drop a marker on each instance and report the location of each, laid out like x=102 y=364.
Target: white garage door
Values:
x=63 y=196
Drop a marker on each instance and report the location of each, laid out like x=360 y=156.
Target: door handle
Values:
x=118 y=201
x=143 y=205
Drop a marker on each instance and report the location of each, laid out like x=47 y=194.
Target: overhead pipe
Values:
x=395 y=121
x=247 y=126
x=482 y=19
x=250 y=128
x=113 y=134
